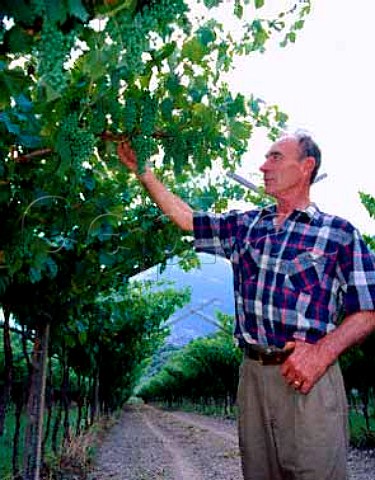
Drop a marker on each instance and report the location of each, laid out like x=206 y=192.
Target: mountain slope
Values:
x=211 y=290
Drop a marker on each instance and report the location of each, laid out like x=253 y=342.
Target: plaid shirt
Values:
x=294 y=282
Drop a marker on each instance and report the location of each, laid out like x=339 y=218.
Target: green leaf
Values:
x=166 y=108
x=94 y=63
x=18 y=40
x=56 y=11
x=281 y=118
x=107 y=259
x=11 y=127
x=24 y=103
x=5 y=193
x=194 y=50
x=292 y=36
x=173 y=84
x=255 y=105
x=82 y=337
x=240 y=130
x=238 y=10
x=13 y=82
x=165 y=52
x=35 y=275
x=206 y=35
x=299 y=25
x=237 y=107
x=212 y=3
x=370 y=241
x=52 y=93
x=89 y=182
x=259 y=3
x=369 y=202
x=76 y=9
x=29 y=141
x=50 y=267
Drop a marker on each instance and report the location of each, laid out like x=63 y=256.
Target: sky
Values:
x=325 y=82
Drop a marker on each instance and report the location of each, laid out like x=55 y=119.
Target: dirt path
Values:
x=152 y=444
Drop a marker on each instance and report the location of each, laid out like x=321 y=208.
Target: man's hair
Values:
x=309 y=148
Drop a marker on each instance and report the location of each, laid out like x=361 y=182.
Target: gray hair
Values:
x=309 y=148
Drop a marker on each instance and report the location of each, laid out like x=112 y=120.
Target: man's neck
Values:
x=285 y=206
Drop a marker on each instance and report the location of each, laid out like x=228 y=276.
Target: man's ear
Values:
x=309 y=164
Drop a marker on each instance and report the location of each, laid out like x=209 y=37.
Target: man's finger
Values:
x=289 y=346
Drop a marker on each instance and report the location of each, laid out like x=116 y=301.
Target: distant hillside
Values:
x=211 y=290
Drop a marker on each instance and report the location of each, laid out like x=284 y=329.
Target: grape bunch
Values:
x=131 y=39
x=53 y=51
x=130 y=115
x=74 y=143
x=144 y=148
x=148 y=118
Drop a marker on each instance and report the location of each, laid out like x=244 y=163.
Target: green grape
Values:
x=130 y=115
x=144 y=147
x=148 y=119
x=131 y=39
x=166 y=109
x=199 y=149
x=131 y=34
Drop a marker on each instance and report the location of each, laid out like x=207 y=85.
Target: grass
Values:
x=213 y=410
x=80 y=451
x=74 y=457
x=6 y=442
x=360 y=436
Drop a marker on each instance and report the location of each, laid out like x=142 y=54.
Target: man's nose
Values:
x=264 y=167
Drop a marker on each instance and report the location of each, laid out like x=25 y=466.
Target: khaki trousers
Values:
x=285 y=435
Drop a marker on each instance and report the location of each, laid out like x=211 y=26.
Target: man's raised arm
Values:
x=176 y=209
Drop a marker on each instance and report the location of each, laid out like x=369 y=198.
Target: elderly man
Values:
x=297 y=271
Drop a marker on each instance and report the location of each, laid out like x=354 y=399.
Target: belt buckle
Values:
x=262 y=356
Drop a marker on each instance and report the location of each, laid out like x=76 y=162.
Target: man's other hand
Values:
x=127 y=156
x=305 y=366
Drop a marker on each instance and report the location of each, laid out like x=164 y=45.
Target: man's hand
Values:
x=305 y=365
x=173 y=206
x=127 y=156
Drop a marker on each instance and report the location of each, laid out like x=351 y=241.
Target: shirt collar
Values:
x=310 y=211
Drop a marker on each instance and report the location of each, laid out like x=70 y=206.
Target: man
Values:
x=297 y=271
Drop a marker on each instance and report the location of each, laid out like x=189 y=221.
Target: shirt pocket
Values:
x=305 y=271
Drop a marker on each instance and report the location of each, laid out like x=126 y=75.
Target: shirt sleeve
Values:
x=358 y=269
x=215 y=233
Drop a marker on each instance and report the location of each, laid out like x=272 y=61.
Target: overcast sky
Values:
x=326 y=84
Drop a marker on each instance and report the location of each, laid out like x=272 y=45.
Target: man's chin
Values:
x=269 y=190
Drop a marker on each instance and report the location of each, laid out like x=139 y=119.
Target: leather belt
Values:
x=266 y=355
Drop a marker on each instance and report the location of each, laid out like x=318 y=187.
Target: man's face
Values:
x=284 y=171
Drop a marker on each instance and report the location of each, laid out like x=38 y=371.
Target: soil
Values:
x=152 y=444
